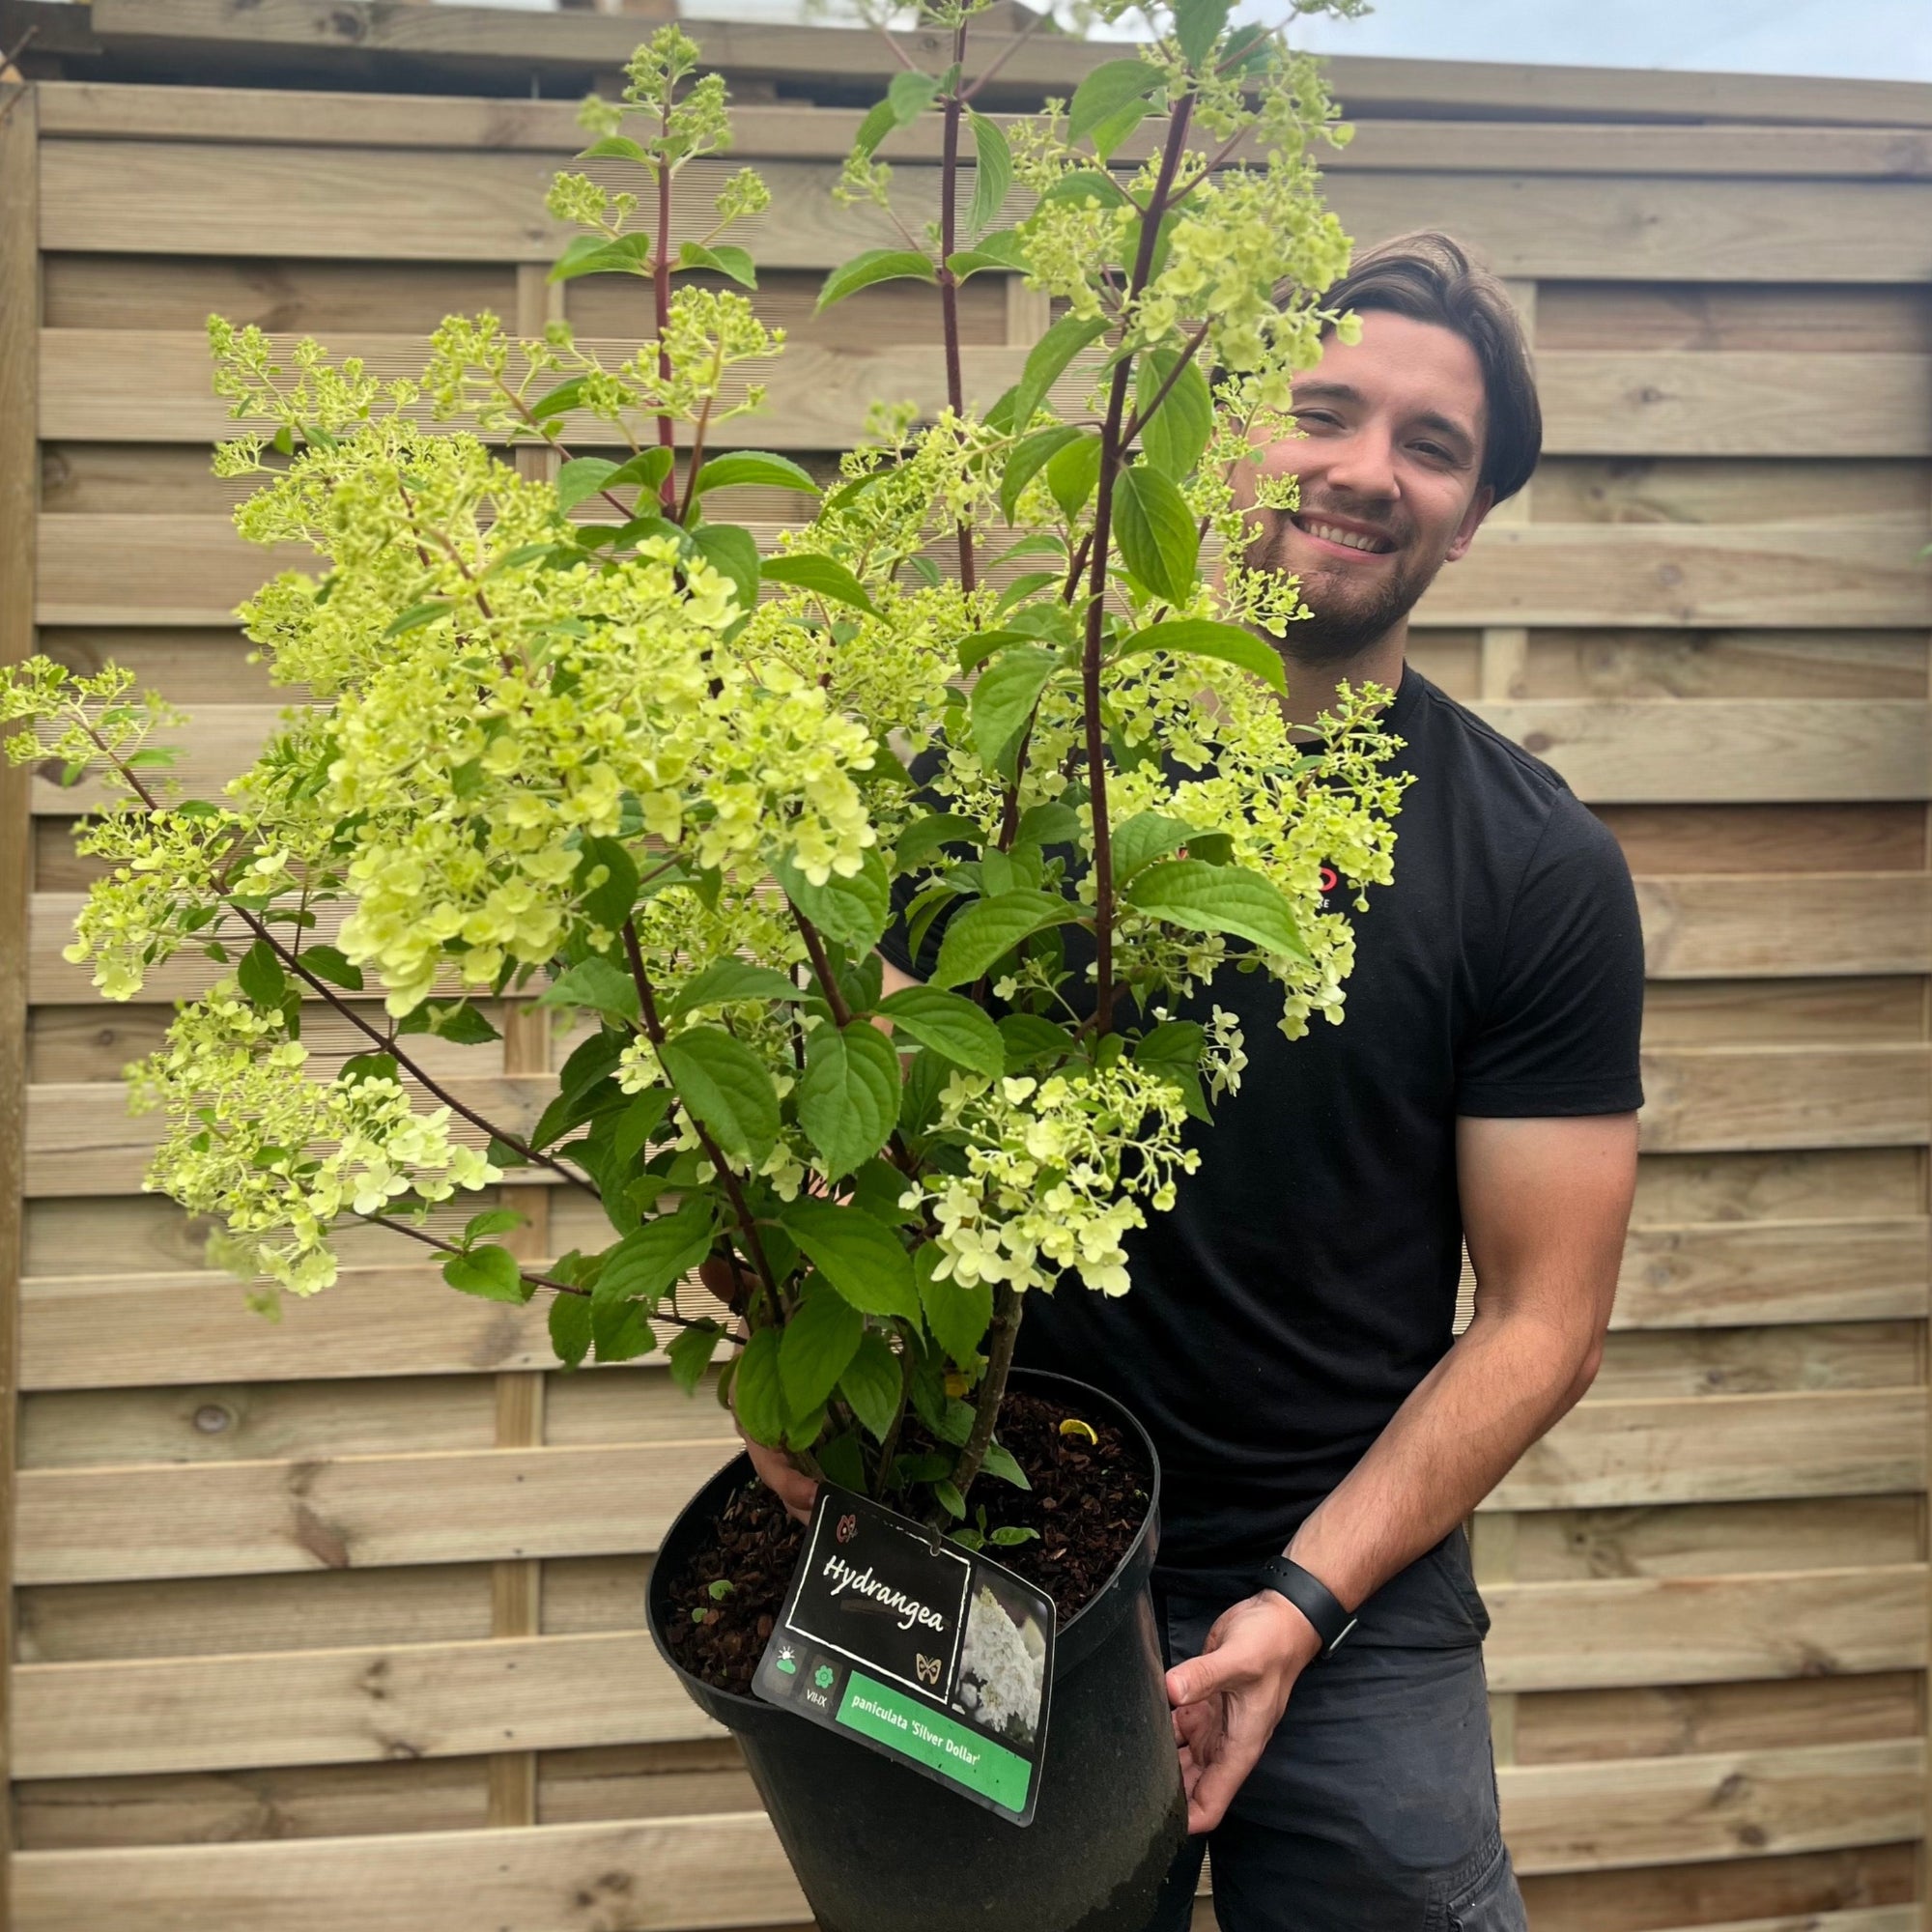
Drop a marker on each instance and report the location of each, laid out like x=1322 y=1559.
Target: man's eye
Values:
x=1316 y=417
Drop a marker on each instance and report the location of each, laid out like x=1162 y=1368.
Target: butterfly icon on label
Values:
x=927 y=1669
x=848 y=1528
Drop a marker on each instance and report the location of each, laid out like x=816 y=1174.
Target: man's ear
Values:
x=1480 y=507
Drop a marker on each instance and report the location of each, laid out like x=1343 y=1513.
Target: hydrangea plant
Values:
x=575 y=744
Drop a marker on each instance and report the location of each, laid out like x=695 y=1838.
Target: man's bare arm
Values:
x=1545 y=1204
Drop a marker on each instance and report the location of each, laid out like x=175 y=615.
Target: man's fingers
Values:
x=1210 y=1794
x=792 y=1487
x=1207 y=1675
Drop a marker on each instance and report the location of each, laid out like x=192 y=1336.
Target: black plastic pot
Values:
x=878 y=1848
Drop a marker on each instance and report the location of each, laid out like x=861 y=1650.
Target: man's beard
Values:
x=1345 y=618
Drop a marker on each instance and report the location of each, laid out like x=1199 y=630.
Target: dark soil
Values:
x=1087 y=1501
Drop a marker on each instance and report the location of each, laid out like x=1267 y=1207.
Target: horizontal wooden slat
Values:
x=175 y=198
x=346 y=1706
x=148 y=386
x=112 y=568
x=1723 y=1449
x=284 y=117
x=1644 y=1631
x=1724 y=1274
x=1875 y=1919
x=726 y=1871
x=1718 y=926
x=1709 y=1099
x=247 y=1518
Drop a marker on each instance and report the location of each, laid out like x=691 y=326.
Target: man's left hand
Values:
x=1228 y=1700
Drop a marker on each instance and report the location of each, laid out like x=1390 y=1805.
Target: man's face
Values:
x=1391 y=449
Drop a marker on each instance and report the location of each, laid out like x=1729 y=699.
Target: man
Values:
x=1288 y=1341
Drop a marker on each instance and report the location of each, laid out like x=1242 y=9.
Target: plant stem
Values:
x=949 y=284
x=647 y=1005
x=1001 y=1338
x=889 y=1449
x=1142 y=417
x=1112 y=448
x=842 y=1014
x=660 y=287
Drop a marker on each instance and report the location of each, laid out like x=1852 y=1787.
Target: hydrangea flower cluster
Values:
x=574 y=744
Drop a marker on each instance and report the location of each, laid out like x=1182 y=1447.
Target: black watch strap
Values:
x=1311 y=1597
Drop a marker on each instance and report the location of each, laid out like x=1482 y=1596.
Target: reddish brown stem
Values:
x=814 y=945
x=999 y=1340
x=660 y=286
x=949 y=283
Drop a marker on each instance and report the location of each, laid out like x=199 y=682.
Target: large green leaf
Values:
x=848 y=1097
x=732 y=550
x=493 y=1273
x=690 y=1351
x=861 y=1257
x=758 y=1393
x=644 y=1263
x=872 y=1384
x=596 y=982
x=822 y=576
x=721 y=259
x=1048 y=360
x=726 y=1085
x=1202 y=638
x=1026 y=458
x=730 y=981
x=910 y=95
x=853 y=911
x=1004 y=697
x=1197 y=26
x=610 y=900
x=957 y=1317
x=996 y=172
x=951 y=1025
x=1138 y=841
x=1201 y=898
x=740 y=466
x=1159 y=539
x=819 y=1343
x=984 y=934
x=1108 y=89
x=1175 y=436
x=582 y=476
x=1072 y=473
x=926 y=837
x=875 y=265
x=570 y=1328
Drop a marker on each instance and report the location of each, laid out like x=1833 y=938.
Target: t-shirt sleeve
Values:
x=1560 y=1034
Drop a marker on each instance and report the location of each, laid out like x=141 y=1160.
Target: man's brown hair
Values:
x=1430 y=277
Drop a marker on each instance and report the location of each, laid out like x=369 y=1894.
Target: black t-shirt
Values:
x=1305 y=1280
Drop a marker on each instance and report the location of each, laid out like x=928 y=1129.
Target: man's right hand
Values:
x=786 y=1481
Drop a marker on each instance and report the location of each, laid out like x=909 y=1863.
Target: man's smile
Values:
x=1342 y=534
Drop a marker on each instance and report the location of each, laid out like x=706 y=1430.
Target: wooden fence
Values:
x=339 y=1622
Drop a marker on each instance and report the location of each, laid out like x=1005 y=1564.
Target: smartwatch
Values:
x=1310 y=1596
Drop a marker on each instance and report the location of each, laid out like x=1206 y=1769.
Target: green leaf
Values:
x=946 y=1494
x=1177 y=434
x=958 y=1317
x=925 y=837
x=872 y=1384
x=1198 y=25
x=952 y=1026
x=1117 y=126
x=875 y=265
x=727 y=1086
x=1011 y=1534
x=1026 y=459
x=724 y=260
x=647 y=470
x=690 y=1352
x=732 y=551
x=753 y=465
x=361 y=1066
x=1087 y=185
x=999 y=1462
x=1050 y=824
x=1030 y=1037
x=260 y=977
x=1200 y=898
x=581 y=477
x=879 y=121
x=646 y=1261
x=1047 y=361
x=616 y=148
x=566 y=396
x=490 y=1273
x=853 y=911
x=823 y=576
x=984 y=934
x=326 y=962
x=608 y=902
x=1202 y=638
x=996 y=171
x=848 y=1097
x=730 y=981
x=1106 y=90
x=492 y=1221
x=633 y=1127
x=417 y=615
x=979 y=646
x=570 y=1328
x=1159 y=539
x=757 y=1391
x=1004 y=697
x=909 y=96
x=816 y=1348
x=1072 y=473
x=1147 y=836
x=596 y=982
x=862 y=1258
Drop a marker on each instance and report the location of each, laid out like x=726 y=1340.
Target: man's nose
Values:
x=1363 y=465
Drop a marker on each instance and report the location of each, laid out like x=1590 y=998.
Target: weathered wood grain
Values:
x=1739 y=926
x=1699 y=1099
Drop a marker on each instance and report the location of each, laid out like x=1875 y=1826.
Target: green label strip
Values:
x=920 y=1732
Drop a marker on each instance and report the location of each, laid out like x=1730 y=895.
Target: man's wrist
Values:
x=1326 y=1616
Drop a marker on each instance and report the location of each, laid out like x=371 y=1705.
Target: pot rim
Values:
x=1135 y=1556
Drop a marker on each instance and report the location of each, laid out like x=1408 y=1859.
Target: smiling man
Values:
x=1290 y=1341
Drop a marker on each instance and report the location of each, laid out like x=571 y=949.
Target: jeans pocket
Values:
x=1451 y=1556
x=1492 y=1903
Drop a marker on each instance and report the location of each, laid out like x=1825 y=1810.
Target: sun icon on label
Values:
x=786 y=1661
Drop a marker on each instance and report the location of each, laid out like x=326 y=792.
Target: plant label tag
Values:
x=913 y=1647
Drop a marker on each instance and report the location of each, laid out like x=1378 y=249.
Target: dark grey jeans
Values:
x=1373 y=1808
